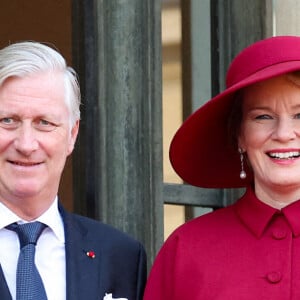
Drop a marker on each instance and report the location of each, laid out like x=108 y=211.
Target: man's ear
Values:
x=73 y=137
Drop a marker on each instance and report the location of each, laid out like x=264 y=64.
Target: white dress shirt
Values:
x=50 y=251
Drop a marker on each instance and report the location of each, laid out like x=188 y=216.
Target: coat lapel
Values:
x=4 y=291
x=82 y=269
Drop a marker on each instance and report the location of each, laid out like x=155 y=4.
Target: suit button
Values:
x=279 y=234
x=274 y=277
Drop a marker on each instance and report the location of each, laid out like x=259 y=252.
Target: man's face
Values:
x=35 y=138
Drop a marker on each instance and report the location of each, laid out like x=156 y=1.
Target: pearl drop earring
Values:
x=243 y=174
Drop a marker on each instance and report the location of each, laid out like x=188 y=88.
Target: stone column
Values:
x=118 y=159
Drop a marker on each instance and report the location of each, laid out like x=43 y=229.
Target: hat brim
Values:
x=200 y=152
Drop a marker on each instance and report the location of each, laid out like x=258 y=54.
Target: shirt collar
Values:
x=292 y=214
x=50 y=217
x=256 y=215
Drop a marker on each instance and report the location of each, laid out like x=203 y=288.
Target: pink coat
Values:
x=247 y=251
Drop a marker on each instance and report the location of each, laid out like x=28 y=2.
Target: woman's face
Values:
x=270 y=133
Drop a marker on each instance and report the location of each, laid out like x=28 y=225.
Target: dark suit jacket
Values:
x=119 y=266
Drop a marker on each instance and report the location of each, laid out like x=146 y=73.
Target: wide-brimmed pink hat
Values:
x=200 y=151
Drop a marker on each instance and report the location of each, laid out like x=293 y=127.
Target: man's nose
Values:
x=26 y=140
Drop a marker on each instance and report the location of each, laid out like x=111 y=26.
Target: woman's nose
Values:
x=285 y=129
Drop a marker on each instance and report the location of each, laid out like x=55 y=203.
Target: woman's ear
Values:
x=241 y=143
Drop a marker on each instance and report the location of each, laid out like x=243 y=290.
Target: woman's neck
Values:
x=277 y=197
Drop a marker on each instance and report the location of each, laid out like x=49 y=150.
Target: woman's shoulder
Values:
x=214 y=223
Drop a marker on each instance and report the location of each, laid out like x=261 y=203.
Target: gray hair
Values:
x=27 y=58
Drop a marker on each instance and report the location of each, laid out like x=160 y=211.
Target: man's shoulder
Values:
x=104 y=233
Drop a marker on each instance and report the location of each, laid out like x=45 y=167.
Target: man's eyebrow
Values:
x=6 y=112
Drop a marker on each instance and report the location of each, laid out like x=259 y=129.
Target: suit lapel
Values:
x=4 y=291
x=82 y=270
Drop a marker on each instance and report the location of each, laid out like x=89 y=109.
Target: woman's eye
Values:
x=297 y=116
x=263 y=117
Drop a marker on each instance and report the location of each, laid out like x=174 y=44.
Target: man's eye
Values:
x=44 y=125
x=7 y=120
x=9 y=123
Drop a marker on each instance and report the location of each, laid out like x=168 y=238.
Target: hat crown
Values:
x=263 y=54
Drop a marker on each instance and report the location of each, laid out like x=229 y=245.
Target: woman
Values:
x=247 y=136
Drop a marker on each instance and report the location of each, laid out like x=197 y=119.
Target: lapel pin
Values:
x=91 y=254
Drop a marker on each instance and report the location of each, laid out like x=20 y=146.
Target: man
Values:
x=76 y=257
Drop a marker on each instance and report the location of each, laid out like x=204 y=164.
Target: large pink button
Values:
x=274 y=277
